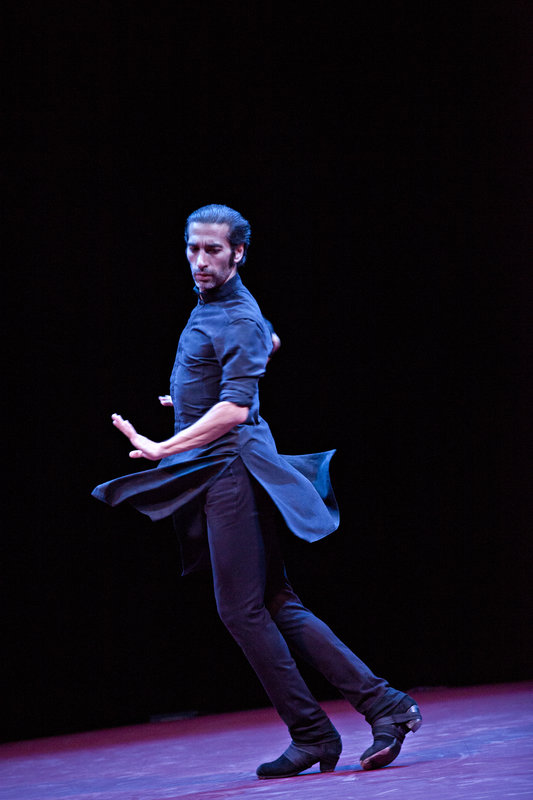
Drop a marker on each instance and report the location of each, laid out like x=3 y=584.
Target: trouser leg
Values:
x=238 y=559
x=311 y=639
x=307 y=636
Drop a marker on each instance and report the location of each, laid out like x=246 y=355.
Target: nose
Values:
x=201 y=259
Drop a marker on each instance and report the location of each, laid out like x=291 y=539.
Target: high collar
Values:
x=220 y=292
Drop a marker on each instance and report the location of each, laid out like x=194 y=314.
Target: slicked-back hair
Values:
x=239 y=230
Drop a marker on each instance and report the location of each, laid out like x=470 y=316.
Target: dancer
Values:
x=220 y=475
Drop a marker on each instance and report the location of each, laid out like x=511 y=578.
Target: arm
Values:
x=242 y=352
x=220 y=419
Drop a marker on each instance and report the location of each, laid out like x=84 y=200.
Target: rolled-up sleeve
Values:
x=242 y=349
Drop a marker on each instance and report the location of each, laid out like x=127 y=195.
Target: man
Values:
x=219 y=474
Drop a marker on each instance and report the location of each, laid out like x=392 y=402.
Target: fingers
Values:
x=144 y=448
x=124 y=425
x=119 y=421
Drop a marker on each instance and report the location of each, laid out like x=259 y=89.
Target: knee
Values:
x=285 y=597
x=239 y=620
x=293 y=619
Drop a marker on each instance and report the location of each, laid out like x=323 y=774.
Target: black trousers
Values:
x=267 y=619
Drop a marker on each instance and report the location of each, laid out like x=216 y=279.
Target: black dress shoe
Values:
x=390 y=728
x=296 y=758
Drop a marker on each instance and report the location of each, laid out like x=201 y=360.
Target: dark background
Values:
x=381 y=157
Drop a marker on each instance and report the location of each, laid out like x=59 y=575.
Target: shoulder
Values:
x=241 y=305
x=242 y=324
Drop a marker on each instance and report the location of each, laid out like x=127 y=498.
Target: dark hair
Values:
x=239 y=228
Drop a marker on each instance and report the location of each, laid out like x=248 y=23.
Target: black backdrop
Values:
x=381 y=159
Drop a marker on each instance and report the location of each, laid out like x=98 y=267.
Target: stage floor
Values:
x=476 y=743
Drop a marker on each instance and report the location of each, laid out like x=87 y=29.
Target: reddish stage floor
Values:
x=475 y=743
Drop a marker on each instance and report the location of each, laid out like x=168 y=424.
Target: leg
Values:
x=307 y=636
x=391 y=713
x=311 y=639
x=238 y=560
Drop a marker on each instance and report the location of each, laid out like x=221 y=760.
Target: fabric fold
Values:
x=299 y=485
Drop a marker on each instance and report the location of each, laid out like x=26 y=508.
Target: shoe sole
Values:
x=383 y=757
x=290 y=774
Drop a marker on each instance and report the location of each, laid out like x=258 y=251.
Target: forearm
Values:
x=220 y=419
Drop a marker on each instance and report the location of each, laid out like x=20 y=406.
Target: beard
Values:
x=213 y=278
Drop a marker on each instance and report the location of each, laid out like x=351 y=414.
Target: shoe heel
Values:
x=328 y=764
x=414 y=724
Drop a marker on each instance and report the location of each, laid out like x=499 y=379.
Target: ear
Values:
x=239 y=252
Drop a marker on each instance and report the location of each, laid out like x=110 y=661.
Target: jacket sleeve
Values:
x=242 y=348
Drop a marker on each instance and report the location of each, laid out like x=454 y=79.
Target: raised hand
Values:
x=144 y=448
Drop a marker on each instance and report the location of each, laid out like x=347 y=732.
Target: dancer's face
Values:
x=211 y=258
